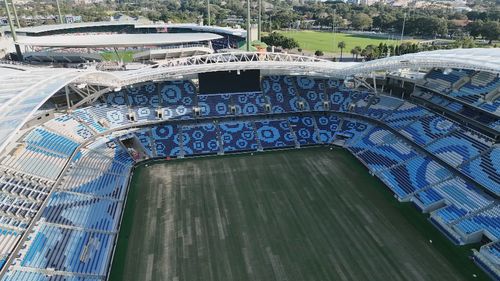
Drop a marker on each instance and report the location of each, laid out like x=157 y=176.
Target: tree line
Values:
x=431 y=22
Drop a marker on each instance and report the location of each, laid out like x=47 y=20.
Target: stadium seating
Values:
x=487 y=221
x=474 y=91
x=111 y=116
x=471 y=90
x=340 y=100
x=200 y=139
x=485 y=169
x=443 y=82
x=449 y=214
x=305 y=130
x=84 y=116
x=69 y=250
x=381 y=107
x=144 y=114
x=238 y=136
x=379 y=149
x=8 y=239
x=214 y=105
x=427 y=129
x=413 y=175
x=405 y=145
x=37 y=161
x=353 y=129
x=66 y=125
x=166 y=140
x=117 y=98
x=282 y=93
x=249 y=103
x=51 y=142
x=492 y=251
x=460 y=146
x=27 y=189
x=101 y=171
x=462 y=195
x=274 y=134
x=15 y=275
x=82 y=211
x=77 y=228
x=312 y=92
x=493 y=107
x=406 y=114
x=177 y=99
x=145 y=95
x=465 y=110
x=327 y=126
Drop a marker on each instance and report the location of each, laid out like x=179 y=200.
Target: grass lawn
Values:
x=327 y=41
x=309 y=214
x=127 y=56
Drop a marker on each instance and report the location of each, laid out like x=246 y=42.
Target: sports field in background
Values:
x=126 y=56
x=310 y=214
x=328 y=41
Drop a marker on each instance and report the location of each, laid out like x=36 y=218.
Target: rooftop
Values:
x=116 y=40
x=191 y=26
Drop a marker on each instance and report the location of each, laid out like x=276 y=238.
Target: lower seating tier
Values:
x=274 y=134
x=69 y=250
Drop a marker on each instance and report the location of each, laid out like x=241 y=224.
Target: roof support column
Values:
x=15 y=14
x=208 y=13
x=13 y=32
x=66 y=90
x=59 y=11
x=260 y=20
x=248 y=25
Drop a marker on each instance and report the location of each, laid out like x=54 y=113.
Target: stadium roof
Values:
x=475 y=59
x=25 y=89
x=116 y=40
x=54 y=27
x=190 y=26
x=485 y=59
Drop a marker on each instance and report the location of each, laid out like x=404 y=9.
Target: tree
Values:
x=391 y=50
x=475 y=28
x=341 y=46
x=361 y=21
x=427 y=26
x=355 y=53
x=385 y=20
x=280 y=40
x=369 y=52
x=465 y=42
x=491 y=30
x=318 y=53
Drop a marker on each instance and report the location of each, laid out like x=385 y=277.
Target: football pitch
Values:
x=308 y=214
x=328 y=42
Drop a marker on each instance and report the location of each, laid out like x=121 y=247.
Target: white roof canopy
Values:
x=116 y=40
x=187 y=26
x=23 y=90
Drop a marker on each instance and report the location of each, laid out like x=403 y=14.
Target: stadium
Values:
x=84 y=42
x=251 y=166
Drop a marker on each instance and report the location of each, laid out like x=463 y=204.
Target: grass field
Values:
x=327 y=41
x=126 y=56
x=309 y=214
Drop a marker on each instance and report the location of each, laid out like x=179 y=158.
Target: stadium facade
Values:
x=82 y=42
x=69 y=140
